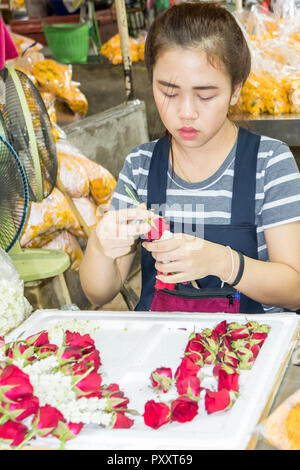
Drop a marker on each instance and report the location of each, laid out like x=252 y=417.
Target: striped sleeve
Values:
x=281 y=189
x=133 y=178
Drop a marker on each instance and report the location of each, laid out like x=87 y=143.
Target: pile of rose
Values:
x=50 y=390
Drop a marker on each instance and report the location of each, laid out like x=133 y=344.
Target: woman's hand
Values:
x=189 y=258
x=117 y=233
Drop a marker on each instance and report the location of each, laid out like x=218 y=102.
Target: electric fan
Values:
x=14 y=196
x=25 y=124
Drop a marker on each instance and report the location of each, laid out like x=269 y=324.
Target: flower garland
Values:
x=51 y=390
x=230 y=348
x=54 y=390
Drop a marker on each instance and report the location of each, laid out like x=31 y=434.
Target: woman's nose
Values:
x=187 y=108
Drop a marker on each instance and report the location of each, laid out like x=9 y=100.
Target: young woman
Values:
x=231 y=197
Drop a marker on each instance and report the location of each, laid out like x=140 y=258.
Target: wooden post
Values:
x=124 y=39
x=239 y=4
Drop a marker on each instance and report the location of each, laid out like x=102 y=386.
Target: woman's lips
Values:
x=188 y=133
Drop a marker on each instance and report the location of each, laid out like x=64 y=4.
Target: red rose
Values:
x=161 y=378
x=195 y=350
x=237 y=331
x=84 y=342
x=28 y=405
x=156 y=414
x=47 y=350
x=158 y=226
x=93 y=358
x=164 y=285
x=39 y=339
x=186 y=368
x=216 y=401
x=189 y=386
x=258 y=338
x=228 y=381
x=221 y=328
x=47 y=420
x=15 y=377
x=75 y=428
x=184 y=409
x=90 y=383
x=12 y=432
x=71 y=352
x=117 y=402
x=121 y=421
x=231 y=359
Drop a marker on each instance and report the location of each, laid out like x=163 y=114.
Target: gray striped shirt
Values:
x=277 y=190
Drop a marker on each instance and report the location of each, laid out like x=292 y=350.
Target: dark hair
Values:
x=207 y=25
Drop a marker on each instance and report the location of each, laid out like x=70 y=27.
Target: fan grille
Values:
x=17 y=133
x=14 y=196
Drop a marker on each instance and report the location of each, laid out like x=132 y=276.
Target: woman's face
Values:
x=192 y=96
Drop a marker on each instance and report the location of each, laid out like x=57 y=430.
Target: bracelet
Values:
x=241 y=269
x=232 y=267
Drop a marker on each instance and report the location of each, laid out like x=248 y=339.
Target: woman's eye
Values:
x=206 y=98
x=169 y=96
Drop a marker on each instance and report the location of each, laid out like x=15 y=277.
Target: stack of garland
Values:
x=230 y=347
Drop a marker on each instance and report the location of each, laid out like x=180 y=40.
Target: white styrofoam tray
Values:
x=133 y=344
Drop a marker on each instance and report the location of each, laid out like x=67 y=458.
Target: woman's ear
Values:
x=236 y=94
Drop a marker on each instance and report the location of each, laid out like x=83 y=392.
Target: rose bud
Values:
x=189 y=386
x=209 y=357
x=46 y=350
x=13 y=433
x=66 y=431
x=183 y=409
x=217 y=401
x=158 y=226
x=39 y=339
x=2 y=341
x=231 y=359
x=237 y=331
x=156 y=414
x=72 y=353
x=161 y=379
x=84 y=342
x=228 y=381
x=90 y=383
x=195 y=350
x=159 y=284
x=186 y=368
x=121 y=421
x=24 y=408
x=258 y=338
x=217 y=369
x=221 y=328
x=47 y=420
x=117 y=402
x=245 y=356
x=14 y=377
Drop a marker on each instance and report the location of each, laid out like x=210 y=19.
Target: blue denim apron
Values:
x=240 y=235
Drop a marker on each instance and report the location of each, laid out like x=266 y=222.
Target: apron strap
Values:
x=244 y=182
x=158 y=173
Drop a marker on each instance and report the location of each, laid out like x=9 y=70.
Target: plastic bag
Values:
x=66 y=242
x=112 y=49
x=14 y=307
x=24 y=43
x=102 y=183
x=88 y=211
x=72 y=175
x=282 y=428
x=46 y=218
x=57 y=79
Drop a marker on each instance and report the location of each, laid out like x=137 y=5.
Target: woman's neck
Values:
x=196 y=164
